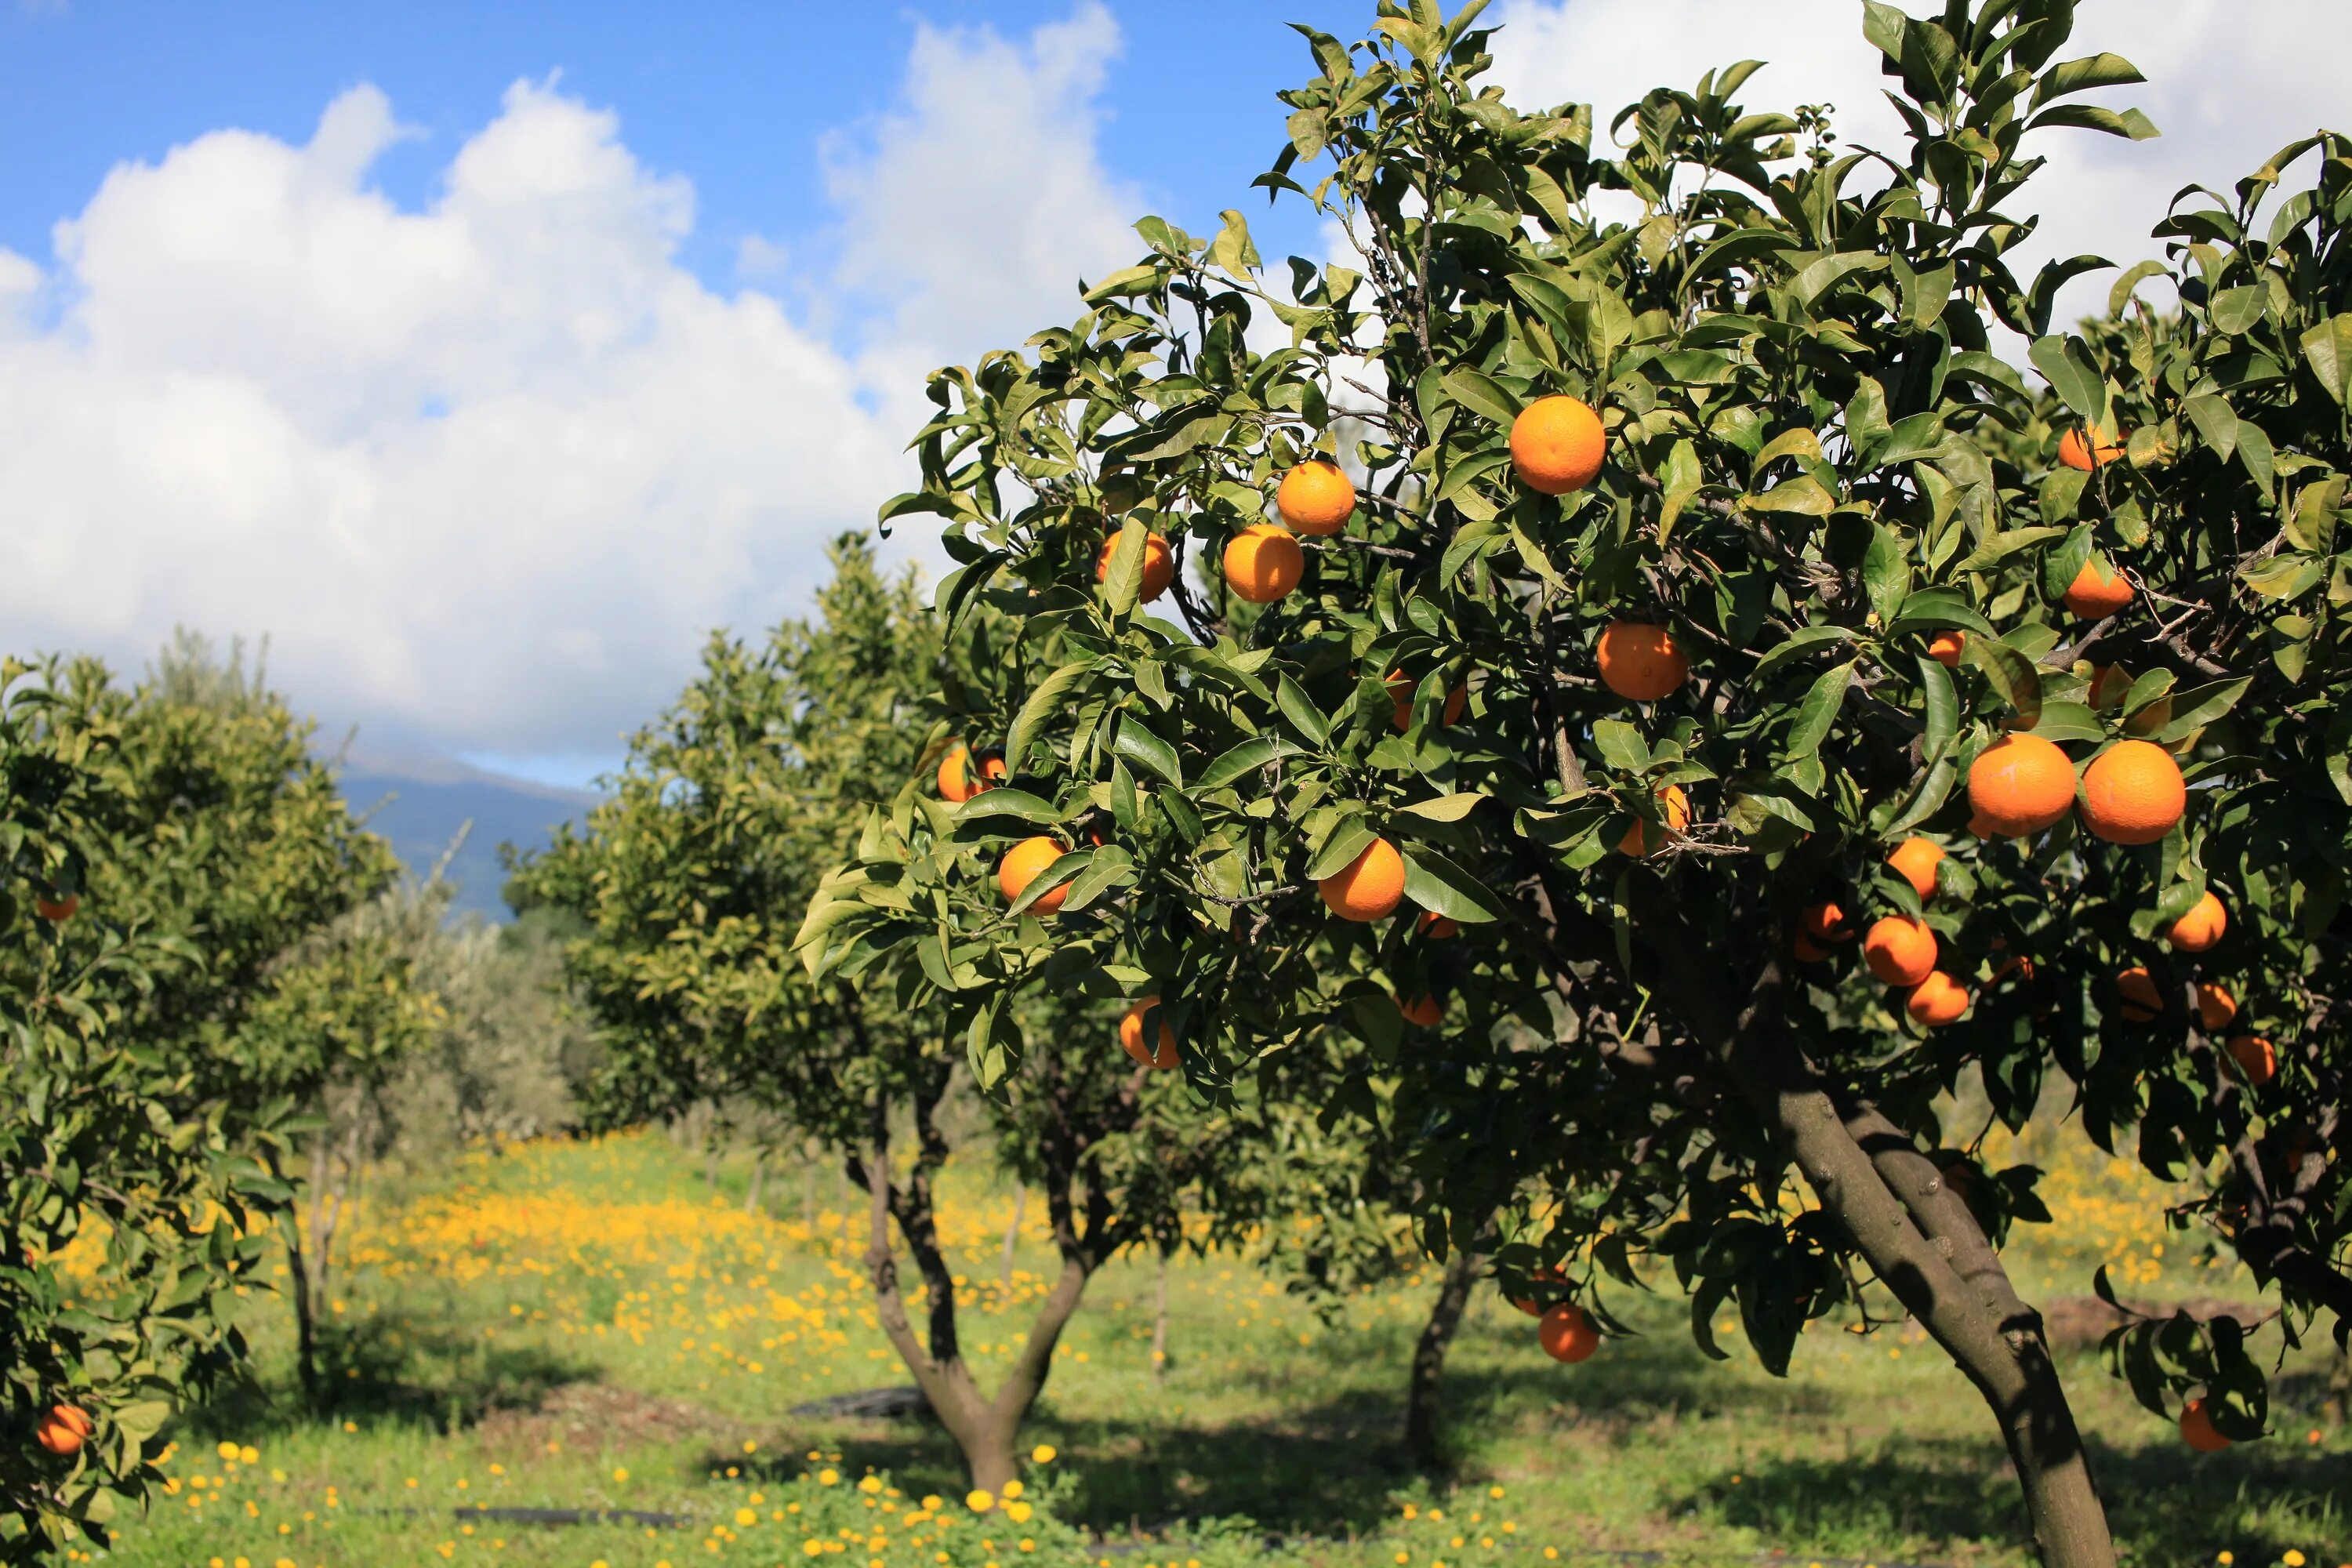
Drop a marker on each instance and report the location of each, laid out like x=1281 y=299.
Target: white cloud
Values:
x=2229 y=84
x=486 y=472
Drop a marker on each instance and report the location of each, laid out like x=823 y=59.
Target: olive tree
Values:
x=1672 y=589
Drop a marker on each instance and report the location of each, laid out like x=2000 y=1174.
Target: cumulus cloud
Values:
x=2229 y=84
x=487 y=471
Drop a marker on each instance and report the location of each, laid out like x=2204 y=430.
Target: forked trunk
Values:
x=1424 y=1390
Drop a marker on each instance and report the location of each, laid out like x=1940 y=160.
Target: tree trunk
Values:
x=298 y=1268
x=1012 y=1234
x=1425 y=1387
x=759 y=1169
x=1160 y=1319
x=1922 y=1242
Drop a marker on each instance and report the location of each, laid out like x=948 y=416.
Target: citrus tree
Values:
x=124 y=1211
x=1682 y=594
x=691 y=883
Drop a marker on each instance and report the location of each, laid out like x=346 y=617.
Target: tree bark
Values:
x=298 y=1268
x=1160 y=1319
x=1920 y=1239
x=1426 y=1386
x=759 y=1169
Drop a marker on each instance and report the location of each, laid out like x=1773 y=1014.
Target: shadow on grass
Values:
x=2165 y=1507
x=388 y=1368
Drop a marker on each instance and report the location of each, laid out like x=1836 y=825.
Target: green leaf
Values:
x=1804 y=640
x=2081 y=76
x=1476 y=390
x=1621 y=745
x=2010 y=673
x=2199 y=705
x=2066 y=363
x=1446 y=808
x=1802 y=495
x=1817 y=714
x=2000 y=547
x=2140 y=272
x=1303 y=715
x=1438 y=885
x=1004 y=802
x=1943 y=705
x=2131 y=123
x=1886 y=574
x=2061 y=721
x=2215 y=421
x=2327 y=350
x=1248 y=757
x=1047 y=697
x=1339 y=852
x=1934 y=608
x=1232 y=250
x=1135 y=741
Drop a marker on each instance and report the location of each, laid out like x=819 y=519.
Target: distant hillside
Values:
x=420 y=804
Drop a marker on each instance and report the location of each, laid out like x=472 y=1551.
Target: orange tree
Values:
x=109 y=1160
x=1695 y=606
x=692 y=882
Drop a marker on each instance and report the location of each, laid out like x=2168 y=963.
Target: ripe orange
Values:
x=2197 y=1429
x=1024 y=864
x=1367 y=886
x=1435 y=926
x=1400 y=687
x=1425 y=1010
x=2256 y=1057
x=1899 y=950
x=1263 y=563
x=55 y=910
x=2020 y=784
x=1131 y=1036
x=1540 y=1276
x=2132 y=793
x=2215 y=1007
x=2097 y=592
x=954 y=785
x=1915 y=860
x=1937 y=1000
x=2081 y=454
x=64 y=1430
x=1315 y=498
x=2202 y=927
x=1567 y=1334
x=1823 y=922
x=1806 y=949
x=1947 y=646
x=2141 y=1000
x=1639 y=838
x=1640 y=661
x=1557 y=445
x=1159 y=565
x=2015 y=963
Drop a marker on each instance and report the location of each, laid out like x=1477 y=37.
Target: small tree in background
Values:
x=691 y=882
x=1703 y=620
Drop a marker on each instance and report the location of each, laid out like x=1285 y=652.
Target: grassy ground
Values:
x=589 y=1326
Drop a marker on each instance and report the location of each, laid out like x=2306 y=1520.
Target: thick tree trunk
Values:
x=1160 y=1319
x=297 y=1270
x=1923 y=1244
x=1425 y=1387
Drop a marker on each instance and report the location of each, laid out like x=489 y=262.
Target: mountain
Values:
x=421 y=802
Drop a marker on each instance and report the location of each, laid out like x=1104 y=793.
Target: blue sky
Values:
x=485 y=358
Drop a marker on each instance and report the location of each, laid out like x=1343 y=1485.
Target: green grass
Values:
x=586 y=1326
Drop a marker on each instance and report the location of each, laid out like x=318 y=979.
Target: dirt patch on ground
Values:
x=2080 y=1323
x=598 y=1415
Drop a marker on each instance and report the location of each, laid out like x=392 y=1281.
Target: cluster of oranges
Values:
x=1565 y=1331
x=1900 y=950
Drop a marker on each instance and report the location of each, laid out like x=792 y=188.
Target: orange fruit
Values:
x=1947 y=646
x=1640 y=661
x=1400 y=687
x=1567 y=1334
x=1367 y=886
x=1899 y=950
x=1263 y=563
x=2132 y=793
x=55 y=910
x=2197 y=1429
x=1159 y=565
x=2081 y=454
x=2015 y=963
x=1823 y=922
x=1540 y=1276
x=1425 y=1010
x=955 y=786
x=2097 y=592
x=1806 y=950
x=1435 y=926
x=1638 y=837
x=1557 y=445
x=2141 y=1000
x=1131 y=1036
x=1315 y=498
x=64 y=1430
x=2202 y=927
x=2256 y=1057
x=2020 y=784
x=1024 y=864
x=1915 y=860
x=1937 y=1000
x=2215 y=1007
